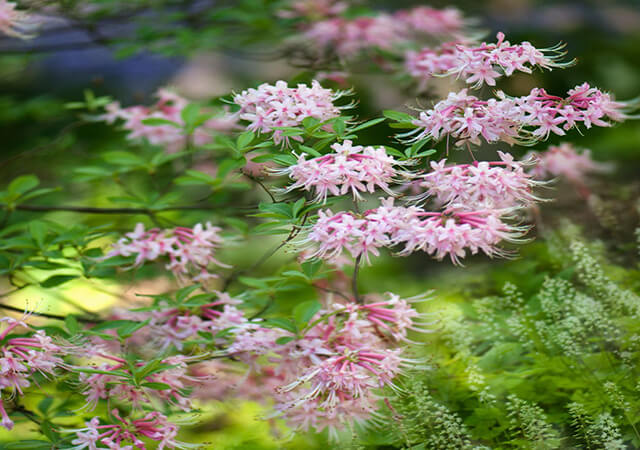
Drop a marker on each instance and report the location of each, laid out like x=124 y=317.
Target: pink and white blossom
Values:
x=453 y=233
x=127 y=433
x=14 y=22
x=497 y=184
x=190 y=250
x=271 y=106
x=523 y=120
x=349 y=169
x=21 y=357
x=168 y=108
x=482 y=64
x=567 y=161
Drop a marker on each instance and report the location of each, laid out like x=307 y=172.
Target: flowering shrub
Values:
x=285 y=160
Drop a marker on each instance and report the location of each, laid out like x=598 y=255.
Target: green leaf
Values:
x=185 y=292
x=284 y=340
x=127 y=330
x=159 y=121
x=310 y=268
x=244 y=139
x=189 y=114
x=57 y=280
x=72 y=325
x=279 y=322
x=38 y=231
x=367 y=124
x=398 y=116
x=339 y=126
x=304 y=311
x=157 y=386
x=22 y=184
x=122 y=158
x=45 y=404
x=285 y=160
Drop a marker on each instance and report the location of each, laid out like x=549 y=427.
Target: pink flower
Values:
x=350 y=37
x=21 y=357
x=497 y=185
x=432 y=21
x=154 y=426
x=168 y=107
x=15 y=23
x=190 y=251
x=271 y=106
x=395 y=316
x=451 y=233
x=523 y=120
x=351 y=168
x=567 y=161
x=102 y=386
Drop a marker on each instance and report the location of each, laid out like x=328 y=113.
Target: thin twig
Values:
x=332 y=291
x=261 y=184
x=354 y=281
x=294 y=232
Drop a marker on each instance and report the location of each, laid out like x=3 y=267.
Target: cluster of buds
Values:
x=484 y=63
x=481 y=185
x=190 y=250
x=524 y=119
x=15 y=23
x=21 y=357
x=566 y=161
x=350 y=168
x=168 y=107
x=127 y=433
x=348 y=37
x=113 y=382
x=453 y=232
x=335 y=370
x=270 y=107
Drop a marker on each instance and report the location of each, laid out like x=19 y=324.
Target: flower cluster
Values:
x=427 y=63
x=168 y=107
x=112 y=382
x=484 y=63
x=481 y=185
x=432 y=21
x=348 y=37
x=565 y=160
x=271 y=106
x=21 y=357
x=190 y=250
x=452 y=233
x=524 y=119
x=15 y=23
x=333 y=373
x=350 y=168
x=174 y=326
x=127 y=433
